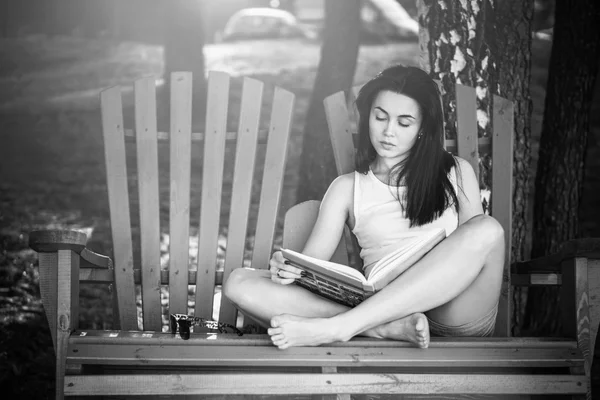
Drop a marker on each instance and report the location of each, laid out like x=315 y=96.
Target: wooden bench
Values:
x=140 y=357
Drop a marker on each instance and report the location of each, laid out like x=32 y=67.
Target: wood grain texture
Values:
x=147 y=169
x=502 y=199
x=594 y=293
x=245 y=158
x=118 y=201
x=179 y=204
x=466 y=121
x=230 y=384
x=216 y=339
x=574 y=298
x=173 y=353
x=212 y=181
x=44 y=241
x=48 y=270
x=68 y=262
x=272 y=181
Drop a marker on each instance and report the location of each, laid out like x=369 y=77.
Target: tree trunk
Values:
x=184 y=43
x=513 y=54
x=336 y=72
x=485 y=46
x=454 y=42
x=558 y=185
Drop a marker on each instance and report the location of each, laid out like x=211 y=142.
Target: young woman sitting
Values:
x=404 y=181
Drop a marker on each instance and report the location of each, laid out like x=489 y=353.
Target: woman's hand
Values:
x=281 y=271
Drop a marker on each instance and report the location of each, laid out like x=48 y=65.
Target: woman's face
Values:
x=394 y=124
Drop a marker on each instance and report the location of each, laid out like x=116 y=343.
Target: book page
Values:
x=316 y=265
x=408 y=253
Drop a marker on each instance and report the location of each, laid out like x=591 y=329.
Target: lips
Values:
x=387 y=144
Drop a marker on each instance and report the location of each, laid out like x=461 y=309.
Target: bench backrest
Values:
x=172 y=278
x=342 y=130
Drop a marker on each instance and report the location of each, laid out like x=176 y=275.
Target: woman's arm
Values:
x=469 y=197
x=333 y=214
x=327 y=232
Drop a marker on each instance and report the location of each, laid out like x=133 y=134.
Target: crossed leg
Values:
x=455 y=283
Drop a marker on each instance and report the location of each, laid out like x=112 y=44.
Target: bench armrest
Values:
x=584 y=248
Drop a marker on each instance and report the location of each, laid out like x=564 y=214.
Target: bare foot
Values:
x=413 y=328
x=290 y=330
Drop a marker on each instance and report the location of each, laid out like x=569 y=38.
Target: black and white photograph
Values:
x=299 y=199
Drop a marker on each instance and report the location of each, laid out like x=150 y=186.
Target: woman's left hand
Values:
x=281 y=271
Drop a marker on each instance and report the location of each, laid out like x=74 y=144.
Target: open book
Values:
x=349 y=286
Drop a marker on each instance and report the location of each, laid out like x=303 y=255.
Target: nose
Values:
x=388 y=131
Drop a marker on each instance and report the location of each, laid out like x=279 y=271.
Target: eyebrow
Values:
x=399 y=116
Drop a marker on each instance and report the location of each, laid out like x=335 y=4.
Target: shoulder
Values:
x=464 y=170
x=342 y=183
x=340 y=191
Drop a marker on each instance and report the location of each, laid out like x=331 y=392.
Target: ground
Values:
x=52 y=172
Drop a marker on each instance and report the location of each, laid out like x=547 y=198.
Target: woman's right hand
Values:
x=281 y=271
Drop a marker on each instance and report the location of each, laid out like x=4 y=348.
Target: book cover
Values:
x=348 y=286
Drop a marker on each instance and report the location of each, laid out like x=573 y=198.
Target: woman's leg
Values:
x=253 y=293
x=457 y=282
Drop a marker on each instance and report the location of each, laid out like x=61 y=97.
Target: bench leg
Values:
x=575 y=311
x=59 y=291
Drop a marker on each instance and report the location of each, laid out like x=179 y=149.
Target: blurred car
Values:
x=388 y=20
x=264 y=23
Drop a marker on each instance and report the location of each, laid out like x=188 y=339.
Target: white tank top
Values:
x=380 y=222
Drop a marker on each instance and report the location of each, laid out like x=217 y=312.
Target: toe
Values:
x=277 y=337
x=275 y=321
x=274 y=331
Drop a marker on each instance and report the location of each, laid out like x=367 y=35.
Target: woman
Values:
x=404 y=181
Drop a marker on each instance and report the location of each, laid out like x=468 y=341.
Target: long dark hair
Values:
x=424 y=172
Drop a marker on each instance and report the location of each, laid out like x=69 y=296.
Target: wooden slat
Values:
x=242 y=186
x=180 y=160
x=212 y=180
x=594 y=292
x=68 y=264
x=502 y=175
x=543 y=279
x=440 y=86
x=466 y=117
x=197 y=136
x=118 y=201
x=575 y=306
x=48 y=270
x=147 y=168
x=286 y=384
x=337 y=396
x=279 y=132
x=340 y=132
x=179 y=353
x=89 y=337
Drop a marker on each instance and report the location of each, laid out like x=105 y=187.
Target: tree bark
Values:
x=336 y=72
x=455 y=39
x=565 y=128
x=514 y=20
x=488 y=46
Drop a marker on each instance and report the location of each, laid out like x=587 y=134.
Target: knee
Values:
x=488 y=230
x=233 y=288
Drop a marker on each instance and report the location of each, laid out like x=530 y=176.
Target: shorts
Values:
x=483 y=326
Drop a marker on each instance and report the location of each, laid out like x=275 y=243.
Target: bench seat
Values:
x=141 y=363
